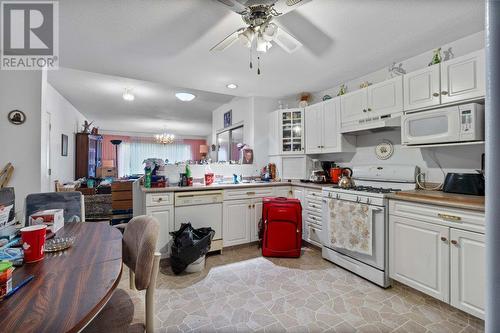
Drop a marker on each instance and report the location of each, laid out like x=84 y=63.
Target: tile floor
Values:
x=240 y=291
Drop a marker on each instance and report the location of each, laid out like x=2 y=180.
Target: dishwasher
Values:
x=201 y=209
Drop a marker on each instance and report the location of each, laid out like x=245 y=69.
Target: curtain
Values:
x=132 y=154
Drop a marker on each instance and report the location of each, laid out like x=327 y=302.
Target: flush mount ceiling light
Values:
x=185 y=97
x=232 y=86
x=127 y=95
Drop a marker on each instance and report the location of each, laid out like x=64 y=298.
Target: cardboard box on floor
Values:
x=103 y=172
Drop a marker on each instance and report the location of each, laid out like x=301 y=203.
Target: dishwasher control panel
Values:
x=192 y=198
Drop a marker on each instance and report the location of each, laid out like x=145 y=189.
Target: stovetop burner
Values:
x=372 y=189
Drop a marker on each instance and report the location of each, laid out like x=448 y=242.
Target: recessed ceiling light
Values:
x=128 y=96
x=232 y=86
x=185 y=97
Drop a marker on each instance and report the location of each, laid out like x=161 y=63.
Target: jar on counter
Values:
x=6 y=270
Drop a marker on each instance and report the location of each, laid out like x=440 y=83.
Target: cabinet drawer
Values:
x=248 y=193
x=314 y=236
x=159 y=199
x=313 y=206
x=314 y=219
x=447 y=216
x=314 y=195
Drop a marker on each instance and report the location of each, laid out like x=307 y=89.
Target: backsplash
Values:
x=219 y=169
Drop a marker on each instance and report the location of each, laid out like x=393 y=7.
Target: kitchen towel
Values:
x=350 y=226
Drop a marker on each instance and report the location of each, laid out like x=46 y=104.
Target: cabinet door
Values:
x=421 y=88
x=274 y=133
x=330 y=123
x=419 y=256
x=354 y=106
x=298 y=193
x=165 y=217
x=468 y=271
x=385 y=97
x=236 y=222
x=283 y=191
x=292 y=131
x=256 y=217
x=313 y=115
x=463 y=78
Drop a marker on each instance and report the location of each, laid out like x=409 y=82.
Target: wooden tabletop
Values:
x=70 y=287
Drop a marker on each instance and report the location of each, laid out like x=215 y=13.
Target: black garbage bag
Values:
x=189 y=245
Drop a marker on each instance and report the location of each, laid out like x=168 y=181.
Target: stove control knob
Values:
x=357 y=199
x=367 y=200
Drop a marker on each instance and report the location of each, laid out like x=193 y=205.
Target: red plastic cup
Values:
x=33 y=238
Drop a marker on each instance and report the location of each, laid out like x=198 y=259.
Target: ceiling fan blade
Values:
x=228 y=41
x=286 y=6
x=286 y=41
x=313 y=38
x=234 y=5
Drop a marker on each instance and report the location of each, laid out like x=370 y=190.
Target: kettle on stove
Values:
x=345 y=180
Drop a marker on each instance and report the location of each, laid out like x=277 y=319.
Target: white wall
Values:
x=20 y=144
x=64 y=119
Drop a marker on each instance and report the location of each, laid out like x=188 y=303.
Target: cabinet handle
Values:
x=435 y=94
x=369 y=109
x=444 y=239
x=444 y=93
x=250 y=193
x=454 y=242
x=364 y=110
x=253 y=206
x=451 y=218
x=160 y=199
x=249 y=206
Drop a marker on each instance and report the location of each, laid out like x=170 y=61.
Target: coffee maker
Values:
x=326 y=166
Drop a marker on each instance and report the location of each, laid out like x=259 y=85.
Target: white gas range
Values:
x=366 y=202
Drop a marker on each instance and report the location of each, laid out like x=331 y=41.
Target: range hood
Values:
x=380 y=124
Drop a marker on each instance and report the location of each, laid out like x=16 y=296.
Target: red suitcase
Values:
x=281 y=227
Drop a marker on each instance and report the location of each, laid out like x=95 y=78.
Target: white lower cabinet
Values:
x=236 y=221
x=430 y=251
x=419 y=256
x=468 y=271
x=298 y=193
x=165 y=217
x=283 y=191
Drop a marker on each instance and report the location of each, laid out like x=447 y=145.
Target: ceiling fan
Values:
x=260 y=30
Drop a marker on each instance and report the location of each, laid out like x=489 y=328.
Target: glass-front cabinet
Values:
x=292 y=131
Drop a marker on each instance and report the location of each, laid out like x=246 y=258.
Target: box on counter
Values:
x=53 y=218
x=103 y=172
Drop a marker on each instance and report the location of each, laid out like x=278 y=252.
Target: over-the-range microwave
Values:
x=459 y=123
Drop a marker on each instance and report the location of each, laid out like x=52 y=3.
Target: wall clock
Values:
x=384 y=150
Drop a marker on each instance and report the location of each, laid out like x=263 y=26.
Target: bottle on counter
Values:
x=189 y=176
x=209 y=175
x=147 y=177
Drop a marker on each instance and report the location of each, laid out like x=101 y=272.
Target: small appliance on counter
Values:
x=318 y=175
x=465 y=183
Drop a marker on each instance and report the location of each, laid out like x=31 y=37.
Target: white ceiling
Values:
x=167 y=42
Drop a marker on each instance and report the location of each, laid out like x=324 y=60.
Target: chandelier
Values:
x=164 y=138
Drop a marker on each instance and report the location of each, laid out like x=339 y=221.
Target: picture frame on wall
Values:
x=64 y=145
x=228 y=118
x=246 y=156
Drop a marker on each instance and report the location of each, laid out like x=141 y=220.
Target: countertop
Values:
x=441 y=198
x=232 y=186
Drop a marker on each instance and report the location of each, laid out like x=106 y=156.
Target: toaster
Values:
x=464 y=183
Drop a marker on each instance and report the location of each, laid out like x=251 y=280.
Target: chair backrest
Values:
x=139 y=246
x=70 y=202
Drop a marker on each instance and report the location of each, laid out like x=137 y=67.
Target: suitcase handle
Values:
x=281 y=198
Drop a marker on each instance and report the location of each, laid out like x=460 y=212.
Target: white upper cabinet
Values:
x=354 y=106
x=330 y=124
x=292 y=131
x=456 y=80
x=385 y=97
x=314 y=128
x=323 y=129
x=274 y=132
x=463 y=78
x=421 y=88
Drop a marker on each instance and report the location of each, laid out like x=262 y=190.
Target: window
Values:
x=132 y=154
x=227 y=144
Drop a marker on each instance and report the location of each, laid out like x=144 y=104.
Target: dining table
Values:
x=70 y=287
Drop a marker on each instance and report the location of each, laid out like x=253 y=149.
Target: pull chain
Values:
x=251 y=65
x=258 y=65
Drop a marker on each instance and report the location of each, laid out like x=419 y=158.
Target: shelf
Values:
x=451 y=144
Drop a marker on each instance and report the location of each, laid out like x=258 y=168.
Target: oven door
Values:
x=379 y=230
x=428 y=127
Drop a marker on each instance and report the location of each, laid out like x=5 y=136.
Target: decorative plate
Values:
x=58 y=244
x=384 y=150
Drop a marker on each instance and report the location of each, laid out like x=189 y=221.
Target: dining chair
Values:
x=140 y=256
x=71 y=202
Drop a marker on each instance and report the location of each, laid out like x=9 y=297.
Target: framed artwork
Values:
x=228 y=118
x=247 y=156
x=64 y=145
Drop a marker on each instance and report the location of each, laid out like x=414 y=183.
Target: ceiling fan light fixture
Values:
x=270 y=31
x=128 y=96
x=262 y=45
x=247 y=36
x=184 y=96
x=232 y=86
